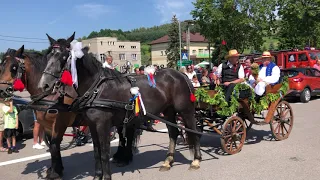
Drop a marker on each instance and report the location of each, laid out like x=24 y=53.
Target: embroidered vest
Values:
x=270 y=66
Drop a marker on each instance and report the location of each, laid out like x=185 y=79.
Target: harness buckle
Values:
x=96 y=91
x=126 y=120
x=129 y=107
x=52 y=111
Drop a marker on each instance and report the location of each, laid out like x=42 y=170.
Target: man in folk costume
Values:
x=230 y=73
x=269 y=74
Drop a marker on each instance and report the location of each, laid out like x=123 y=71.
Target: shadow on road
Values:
x=81 y=165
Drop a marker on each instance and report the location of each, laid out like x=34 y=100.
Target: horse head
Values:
x=12 y=72
x=57 y=60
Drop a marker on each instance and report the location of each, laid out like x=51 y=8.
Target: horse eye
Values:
x=64 y=57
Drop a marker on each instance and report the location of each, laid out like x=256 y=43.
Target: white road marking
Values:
x=163 y=130
x=24 y=159
x=35 y=157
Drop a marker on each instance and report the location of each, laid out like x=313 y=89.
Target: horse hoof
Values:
x=164 y=168
x=193 y=167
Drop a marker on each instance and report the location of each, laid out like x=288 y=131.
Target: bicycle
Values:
x=78 y=136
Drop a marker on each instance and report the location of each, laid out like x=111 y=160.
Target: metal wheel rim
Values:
x=307 y=95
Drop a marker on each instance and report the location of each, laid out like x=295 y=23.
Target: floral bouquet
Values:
x=255 y=70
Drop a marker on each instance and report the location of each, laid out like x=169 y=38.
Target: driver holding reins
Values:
x=231 y=73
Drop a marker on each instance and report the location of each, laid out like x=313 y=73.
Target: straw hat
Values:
x=232 y=53
x=266 y=54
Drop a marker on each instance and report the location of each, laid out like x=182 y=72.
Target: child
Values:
x=2 y=149
x=11 y=125
x=195 y=81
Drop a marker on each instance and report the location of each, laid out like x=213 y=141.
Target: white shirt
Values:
x=190 y=75
x=240 y=73
x=275 y=75
x=106 y=65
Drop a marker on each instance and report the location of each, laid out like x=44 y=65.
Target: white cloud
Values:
x=167 y=8
x=93 y=10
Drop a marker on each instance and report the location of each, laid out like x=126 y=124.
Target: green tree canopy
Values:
x=299 y=25
x=173 y=50
x=242 y=23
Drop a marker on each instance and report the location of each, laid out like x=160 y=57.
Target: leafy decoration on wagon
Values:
x=227 y=110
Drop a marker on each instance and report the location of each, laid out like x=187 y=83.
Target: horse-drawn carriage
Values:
x=232 y=122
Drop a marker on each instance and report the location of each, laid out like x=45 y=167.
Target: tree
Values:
x=173 y=53
x=299 y=25
x=242 y=23
x=272 y=46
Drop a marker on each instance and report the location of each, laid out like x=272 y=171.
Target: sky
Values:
x=28 y=19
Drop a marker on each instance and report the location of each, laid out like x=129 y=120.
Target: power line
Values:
x=23 y=41
x=22 y=37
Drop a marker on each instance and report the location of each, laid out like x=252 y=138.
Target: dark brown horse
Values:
x=30 y=66
x=170 y=96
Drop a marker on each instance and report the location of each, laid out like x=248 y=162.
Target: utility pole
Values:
x=188 y=42
x=180 y=43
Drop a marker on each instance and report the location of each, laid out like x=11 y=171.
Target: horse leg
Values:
x=131 y=138
x=56 y=169
x=193 y=139
x=173 y=135
x=96 y=151
x=118 y=157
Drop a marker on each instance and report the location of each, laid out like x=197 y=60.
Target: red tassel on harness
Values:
x=192 y=97
x=66 y=78
x=18 y=85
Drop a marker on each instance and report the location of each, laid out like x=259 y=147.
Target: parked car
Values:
x=25 y=116
x=304 y=82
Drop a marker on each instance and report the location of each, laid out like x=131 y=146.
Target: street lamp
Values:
x=180 y=43
x=189 y=22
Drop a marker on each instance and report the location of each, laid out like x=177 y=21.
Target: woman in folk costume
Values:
x=230 y=73
x=269 y=74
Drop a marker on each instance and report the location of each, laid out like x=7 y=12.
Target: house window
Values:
x=109 y=43
x=102 y=57
x=161 y=53
x=200 y=51
x=112 y=43
x=122 y=56
x=101 y=43
x=122 y=47
x=194 y=52
x=133 y=47
x=134 y=56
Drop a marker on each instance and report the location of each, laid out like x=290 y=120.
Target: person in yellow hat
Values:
x=230 y=73
x=269 y=74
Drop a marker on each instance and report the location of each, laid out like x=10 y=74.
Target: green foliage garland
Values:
x=228 y=110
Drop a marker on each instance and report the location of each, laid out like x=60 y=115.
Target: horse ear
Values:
x=51 y=40
x=20 y=52
x=71 y=38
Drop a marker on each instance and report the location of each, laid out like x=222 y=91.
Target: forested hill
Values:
x=144 y=35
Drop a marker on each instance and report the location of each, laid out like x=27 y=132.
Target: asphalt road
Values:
x=261 y=158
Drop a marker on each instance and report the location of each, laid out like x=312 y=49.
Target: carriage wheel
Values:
x=282 y=122
x=233 y=135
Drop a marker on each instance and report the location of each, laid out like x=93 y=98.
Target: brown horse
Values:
x=172 y=94
x=29 y=67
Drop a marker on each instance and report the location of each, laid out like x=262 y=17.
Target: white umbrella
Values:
x=203 y=63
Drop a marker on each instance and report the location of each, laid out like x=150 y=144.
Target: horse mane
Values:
x=93 y=65
x=37 y=59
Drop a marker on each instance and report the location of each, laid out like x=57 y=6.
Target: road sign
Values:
x=185 y=63
x=184 y=56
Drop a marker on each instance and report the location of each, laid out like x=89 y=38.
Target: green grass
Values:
x=266 y=44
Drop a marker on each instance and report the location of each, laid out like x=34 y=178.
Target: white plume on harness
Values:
x=75 y=53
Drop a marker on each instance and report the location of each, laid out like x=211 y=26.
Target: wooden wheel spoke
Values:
x=238 y=127
x=284 y=127
x=287 y=122
x=275 y=129
x=286 y=113
x=281 y=128
x=240 y=133
x=227 y=136
x=230 y=146
x=234 y=126
x=235 y=144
